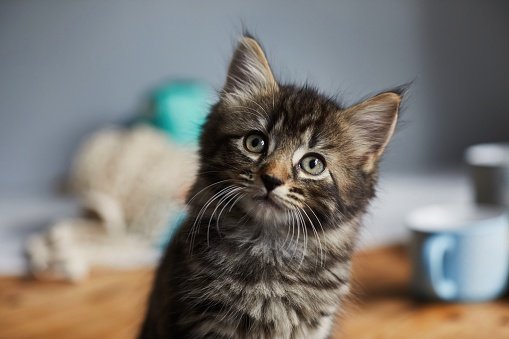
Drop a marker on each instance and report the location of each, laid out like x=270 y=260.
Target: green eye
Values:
x=255 y=143
x=313 y=164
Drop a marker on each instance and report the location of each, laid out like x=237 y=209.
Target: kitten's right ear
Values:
x=249 y=70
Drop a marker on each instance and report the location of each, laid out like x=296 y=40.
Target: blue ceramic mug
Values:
x=459 y=252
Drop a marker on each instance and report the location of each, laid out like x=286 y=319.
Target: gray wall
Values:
x=67 y=67
x=468 y=60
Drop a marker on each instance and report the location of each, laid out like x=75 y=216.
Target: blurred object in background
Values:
x=131 y=183
x=22 y=216
x=179 y=109
x=459 y=252
x=489 y=172
x=138 y=172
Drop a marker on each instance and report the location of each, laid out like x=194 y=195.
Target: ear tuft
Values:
x=249 y=71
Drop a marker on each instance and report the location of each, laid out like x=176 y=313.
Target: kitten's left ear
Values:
x=249 y=70
x=372 y=123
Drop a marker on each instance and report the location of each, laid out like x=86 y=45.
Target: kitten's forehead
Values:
x=299 y=117
x=290 y=138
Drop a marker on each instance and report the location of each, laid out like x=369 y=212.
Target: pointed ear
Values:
x=249 y=70
x=372 y=124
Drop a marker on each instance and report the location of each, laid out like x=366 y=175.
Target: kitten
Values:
x=285 y=176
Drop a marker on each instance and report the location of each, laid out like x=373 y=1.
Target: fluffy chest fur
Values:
x=254 y=290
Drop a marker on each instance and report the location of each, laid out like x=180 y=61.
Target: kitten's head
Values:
x=288 y=153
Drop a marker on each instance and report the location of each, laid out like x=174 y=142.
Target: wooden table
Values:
x=110 y=305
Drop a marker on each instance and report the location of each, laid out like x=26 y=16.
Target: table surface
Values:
x=111 y=304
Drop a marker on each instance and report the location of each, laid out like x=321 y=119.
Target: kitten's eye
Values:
x=313 y=164
x=255 y=143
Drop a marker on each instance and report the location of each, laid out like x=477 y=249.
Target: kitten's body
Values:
x=265 y=252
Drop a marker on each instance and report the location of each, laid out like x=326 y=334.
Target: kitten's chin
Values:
x=265 y=211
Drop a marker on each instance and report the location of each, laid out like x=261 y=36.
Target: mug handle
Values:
x=434 y=251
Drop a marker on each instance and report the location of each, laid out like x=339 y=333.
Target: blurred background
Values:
x=68 y=68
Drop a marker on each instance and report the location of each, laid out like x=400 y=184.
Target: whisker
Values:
x=224 y=196
x=317 y=237
x=236 y=200
x=287 y=216
x=199 y=216
x=203 y=189
x=304 y=232
x=292 y=213
x=231 y=196
x=297 y=239
x=317 y=219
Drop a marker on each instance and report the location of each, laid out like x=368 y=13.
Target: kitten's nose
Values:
x=270 y=182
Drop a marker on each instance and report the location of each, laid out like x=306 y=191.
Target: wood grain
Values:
x=110 y=305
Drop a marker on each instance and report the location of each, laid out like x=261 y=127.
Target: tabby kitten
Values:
x=285 y=176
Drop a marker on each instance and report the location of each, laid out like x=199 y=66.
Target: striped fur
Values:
x=254 y=262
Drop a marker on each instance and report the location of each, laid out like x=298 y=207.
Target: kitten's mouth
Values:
x=267 y=201
x=266 y=209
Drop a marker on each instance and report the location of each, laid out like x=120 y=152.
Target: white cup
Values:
x=459 y=252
